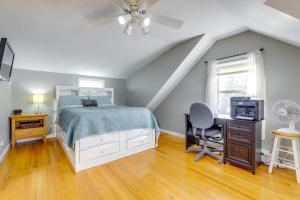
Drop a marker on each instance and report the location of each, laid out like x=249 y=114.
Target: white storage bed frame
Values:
x=105 y=147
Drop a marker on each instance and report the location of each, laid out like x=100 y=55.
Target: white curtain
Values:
x=256 y=86
x=211 y=86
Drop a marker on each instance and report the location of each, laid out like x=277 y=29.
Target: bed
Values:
x=91 y=136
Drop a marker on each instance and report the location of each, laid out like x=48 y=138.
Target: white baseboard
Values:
x=28 y=140
x=3 y=154
x=52 y=135
x=173 y=133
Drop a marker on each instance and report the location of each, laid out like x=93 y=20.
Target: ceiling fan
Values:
x=135 y=15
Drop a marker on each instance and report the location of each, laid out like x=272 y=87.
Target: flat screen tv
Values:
x=7 y=57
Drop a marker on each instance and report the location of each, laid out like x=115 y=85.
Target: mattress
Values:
x=81 y=122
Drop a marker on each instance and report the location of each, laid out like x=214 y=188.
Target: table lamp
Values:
x=38 y=99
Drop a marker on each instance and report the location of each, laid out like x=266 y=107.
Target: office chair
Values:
x=202 y=119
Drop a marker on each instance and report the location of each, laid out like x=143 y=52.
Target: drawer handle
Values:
x=237 y=150
x=101 y=152
x=101 y=139
x=142 y=141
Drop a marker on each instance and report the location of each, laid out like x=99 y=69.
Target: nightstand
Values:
x=28 y=126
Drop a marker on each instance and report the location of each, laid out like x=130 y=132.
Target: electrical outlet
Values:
x=2 y=142
x=266 y=156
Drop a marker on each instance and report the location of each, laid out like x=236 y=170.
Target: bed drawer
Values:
x=96 y=140
x=140 y=141
x=103 y=150
x=138 y=133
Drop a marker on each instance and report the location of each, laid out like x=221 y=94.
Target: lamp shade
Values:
x=38 y=99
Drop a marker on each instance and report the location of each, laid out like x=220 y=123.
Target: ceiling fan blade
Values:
x=123 y=4
x=106 y=19
x=147 y=3
x=167 y=21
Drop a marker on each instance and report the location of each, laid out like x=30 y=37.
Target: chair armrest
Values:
x=222 y=132
x=194 y=131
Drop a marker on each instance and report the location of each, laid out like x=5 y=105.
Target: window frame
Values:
x=101 y=81
x=223 y=65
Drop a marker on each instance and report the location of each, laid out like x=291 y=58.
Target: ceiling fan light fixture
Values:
x=146 y=21
x=122 y=20
x=128 y=29
x=145 y=30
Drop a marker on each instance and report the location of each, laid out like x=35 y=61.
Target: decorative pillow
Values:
x=101 y=100
x=89 y=103
x=70 y=101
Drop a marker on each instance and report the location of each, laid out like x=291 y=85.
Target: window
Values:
x=90 y=83
x=241 y=75
x=232 y=81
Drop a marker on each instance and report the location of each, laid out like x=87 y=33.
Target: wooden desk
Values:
x=190 y=140
x=242 y=140
x=19 y=132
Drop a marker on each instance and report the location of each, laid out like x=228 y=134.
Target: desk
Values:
x=242 y=140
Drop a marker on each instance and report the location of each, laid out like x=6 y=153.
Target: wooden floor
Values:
x=41 y=171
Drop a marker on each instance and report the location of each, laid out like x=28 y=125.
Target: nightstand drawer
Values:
x=36 y=131
x=30 y=132
x=22 y=133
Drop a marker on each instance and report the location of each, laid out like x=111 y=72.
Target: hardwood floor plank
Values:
x=41 y=171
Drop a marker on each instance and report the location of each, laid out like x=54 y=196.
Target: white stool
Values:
x=294 y=137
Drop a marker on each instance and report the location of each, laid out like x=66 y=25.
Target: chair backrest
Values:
x=201 y=116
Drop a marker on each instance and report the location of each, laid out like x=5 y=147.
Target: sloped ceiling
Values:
x=290 y=7
x=60 y=36
x=259 y=17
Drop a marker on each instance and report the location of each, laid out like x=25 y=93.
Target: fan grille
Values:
x=286 y=110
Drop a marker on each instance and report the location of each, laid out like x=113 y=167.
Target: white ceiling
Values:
x=60 y=36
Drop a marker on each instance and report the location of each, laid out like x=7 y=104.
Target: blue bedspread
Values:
x=80 y=122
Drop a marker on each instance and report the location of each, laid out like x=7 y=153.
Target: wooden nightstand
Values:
x=28 y=126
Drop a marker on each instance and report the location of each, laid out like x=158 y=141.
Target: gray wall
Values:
x=282 y=68
x=5 y=111
x=143 y=85
x=26 y=82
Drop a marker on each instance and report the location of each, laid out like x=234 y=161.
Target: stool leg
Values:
x=274 y=155
x=296 y=158
x=277 y=152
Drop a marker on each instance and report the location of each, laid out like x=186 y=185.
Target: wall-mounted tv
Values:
x=7 y=57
